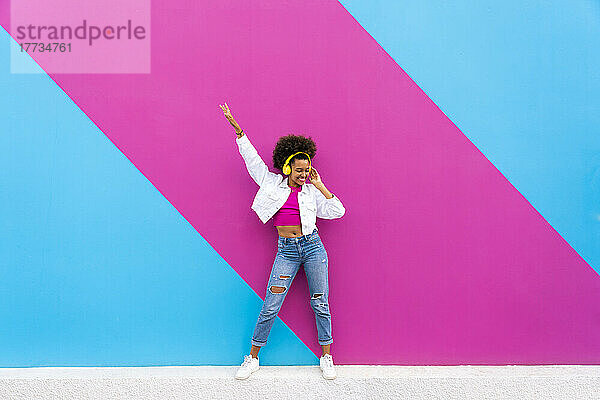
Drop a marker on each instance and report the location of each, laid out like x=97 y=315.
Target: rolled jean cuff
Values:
x=325 y=342
x=258 y=344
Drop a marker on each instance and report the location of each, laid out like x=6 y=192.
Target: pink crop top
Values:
x=289 y=213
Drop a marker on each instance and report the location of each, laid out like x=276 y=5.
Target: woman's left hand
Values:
x=315 y=178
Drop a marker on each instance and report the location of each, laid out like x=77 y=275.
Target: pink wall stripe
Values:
x=438 y=260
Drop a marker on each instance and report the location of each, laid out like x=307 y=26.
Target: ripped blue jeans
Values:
x=291 y=252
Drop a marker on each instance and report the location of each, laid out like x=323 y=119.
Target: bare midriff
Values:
x=290 y=231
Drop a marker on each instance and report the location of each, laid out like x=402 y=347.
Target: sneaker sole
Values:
x=326 y=377
x=246 y=377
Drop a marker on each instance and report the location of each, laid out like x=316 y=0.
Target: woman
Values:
x=294 y=204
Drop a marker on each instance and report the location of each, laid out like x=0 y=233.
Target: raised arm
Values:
x=257 y=168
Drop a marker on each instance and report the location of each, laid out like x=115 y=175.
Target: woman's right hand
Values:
x=230 y=118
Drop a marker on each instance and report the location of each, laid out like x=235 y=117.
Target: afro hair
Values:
x=290 y=144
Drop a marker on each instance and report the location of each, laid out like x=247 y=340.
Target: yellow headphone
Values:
x=286 y=166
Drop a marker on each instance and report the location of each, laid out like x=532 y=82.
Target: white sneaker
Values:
x=249 y=366
x=327 y=366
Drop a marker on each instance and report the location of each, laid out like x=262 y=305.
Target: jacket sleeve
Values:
x=329 y=208
x=257 y=168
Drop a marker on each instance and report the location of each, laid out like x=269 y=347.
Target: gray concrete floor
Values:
x=304 y=382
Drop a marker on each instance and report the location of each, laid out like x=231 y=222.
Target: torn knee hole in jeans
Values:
x=277 y=289
x=316 y=296
x=284 y=277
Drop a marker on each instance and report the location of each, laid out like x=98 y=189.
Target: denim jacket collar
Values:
x=284 y=184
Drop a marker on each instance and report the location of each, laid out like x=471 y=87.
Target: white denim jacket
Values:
x=274 y=191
